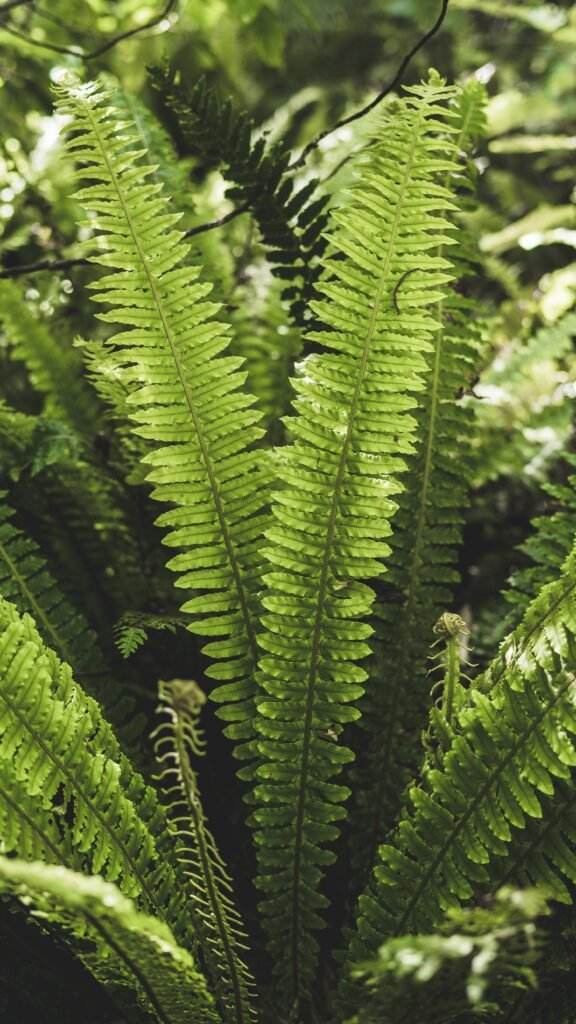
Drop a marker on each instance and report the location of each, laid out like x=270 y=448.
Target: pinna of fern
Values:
x=184 y=392
x=352 y=430
x=507 y=762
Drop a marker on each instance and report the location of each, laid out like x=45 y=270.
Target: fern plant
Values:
x=317 y=575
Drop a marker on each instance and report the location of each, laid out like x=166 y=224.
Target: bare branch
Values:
x=79 y=261
x=32 y=268
x=76 y=52
x=301 y=160
x=12 y=3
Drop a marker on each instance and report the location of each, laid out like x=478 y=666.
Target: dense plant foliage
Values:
x=287 y=513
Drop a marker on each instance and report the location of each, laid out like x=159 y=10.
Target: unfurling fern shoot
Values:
x=451 y=631
x=179 y=742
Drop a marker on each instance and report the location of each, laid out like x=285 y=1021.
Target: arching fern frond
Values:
x=179 y=741
x=425 y=537
x=512 y=747
x=186 y=395
x=352 y=428
x=66 y=758
x=125 y=949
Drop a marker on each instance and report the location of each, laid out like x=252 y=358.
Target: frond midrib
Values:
x=315 y=646
x=234 y=565
x=475 y=803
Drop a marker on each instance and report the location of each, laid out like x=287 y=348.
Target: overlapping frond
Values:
x=66 y=758
x=124 y=948
x=179 y=741
x=26 y=582
x=425 y=538
x=511 y=748
x=33 y=443
x=132 y=629
x=352 y=429
x=291 y=219
x=186 y=395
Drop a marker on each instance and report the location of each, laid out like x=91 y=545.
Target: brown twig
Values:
x=238 y=210
x=78 y=261
x=93 y=54
x=301 y=160
x=12 y=3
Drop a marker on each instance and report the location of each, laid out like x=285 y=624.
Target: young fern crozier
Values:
x=179 y=741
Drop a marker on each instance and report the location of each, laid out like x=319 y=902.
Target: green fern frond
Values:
x=65 y=756
x=179 y=740
x=427 y=528
x=123 y=948
x=352 y=430
x=291 y=220
x=171 y=170
x=186 y=395
x=54 y=370
x=527 y=387
x=512 y=746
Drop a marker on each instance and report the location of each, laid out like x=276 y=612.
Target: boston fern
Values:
x=387 y=823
